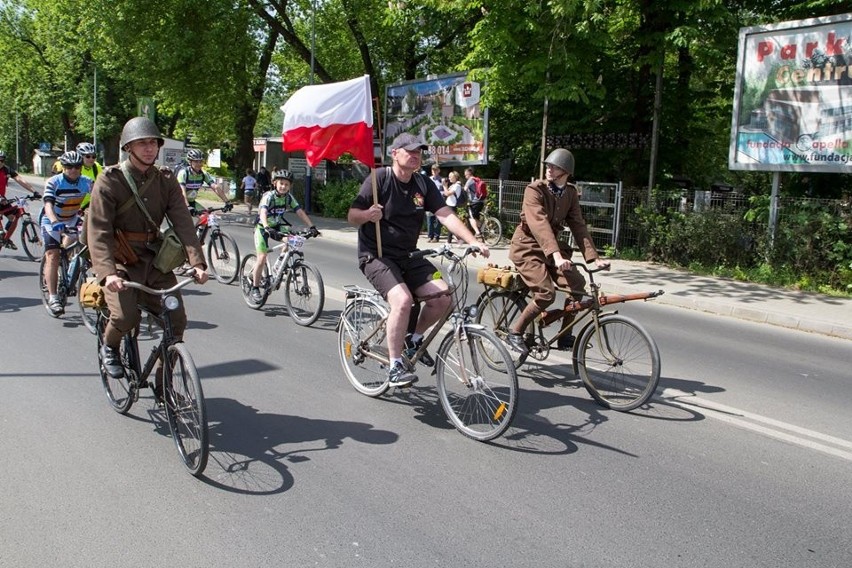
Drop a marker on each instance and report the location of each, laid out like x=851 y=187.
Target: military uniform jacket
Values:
x=543 y=216
x=163 y=197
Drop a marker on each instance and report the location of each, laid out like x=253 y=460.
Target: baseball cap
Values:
x=409 y=142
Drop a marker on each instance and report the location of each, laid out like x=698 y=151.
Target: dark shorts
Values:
x=384 y=273
x=475 y=209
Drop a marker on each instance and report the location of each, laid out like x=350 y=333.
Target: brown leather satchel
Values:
x=124 y=253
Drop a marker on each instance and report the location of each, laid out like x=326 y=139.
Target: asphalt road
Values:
x=742 y=460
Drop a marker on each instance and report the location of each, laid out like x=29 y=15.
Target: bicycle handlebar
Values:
x=163 y=292
x=588 y=270
x=446 y=251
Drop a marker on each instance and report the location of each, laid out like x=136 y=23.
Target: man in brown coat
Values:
x=543 y=262
x=114 y=208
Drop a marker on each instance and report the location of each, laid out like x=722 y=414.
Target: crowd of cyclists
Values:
x=122 y=231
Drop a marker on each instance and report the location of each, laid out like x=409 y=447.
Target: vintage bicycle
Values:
x=31 y=240
x=616 y=358
x=478 y=395
x=75 y=267
x=181 y=396
x=304 y=292
x=223 y=255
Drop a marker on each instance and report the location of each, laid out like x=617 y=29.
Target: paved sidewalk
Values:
x=754 y=302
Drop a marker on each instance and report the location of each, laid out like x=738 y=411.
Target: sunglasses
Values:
x=89 y=156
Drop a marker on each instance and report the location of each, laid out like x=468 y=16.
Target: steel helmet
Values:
x=562 y=159
x=138 y=128
x=194 y=154
x=86 y=148
x=283 y=174
x=71 y=158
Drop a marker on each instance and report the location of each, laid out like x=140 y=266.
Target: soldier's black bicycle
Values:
x=180 y=394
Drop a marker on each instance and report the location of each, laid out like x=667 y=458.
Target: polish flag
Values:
x=327 y=120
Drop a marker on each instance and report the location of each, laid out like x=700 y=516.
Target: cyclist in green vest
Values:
x=271 y=223
x=192 y=178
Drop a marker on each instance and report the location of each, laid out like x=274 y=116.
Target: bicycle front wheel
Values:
x=119 y=392
x=224 y=257
x=185 y=409
x=492 y=231
x=479 y=400
x=362 y=348
x=31 y=241
x=247 y=279
x=304 y=293
x=618 y=362
x=496 y=311
x=88 y=315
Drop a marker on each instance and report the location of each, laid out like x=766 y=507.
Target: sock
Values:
x=416 y=337
x=52 y=297
x=394 y=361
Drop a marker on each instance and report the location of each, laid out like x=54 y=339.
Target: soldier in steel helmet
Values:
x=114 y=209
x=543 y=262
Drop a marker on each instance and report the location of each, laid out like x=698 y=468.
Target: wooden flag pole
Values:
x=376 y=184
x=376 y=202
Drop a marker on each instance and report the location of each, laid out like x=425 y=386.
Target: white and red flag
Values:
x=330 y=119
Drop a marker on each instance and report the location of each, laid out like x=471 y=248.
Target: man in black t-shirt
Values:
x=404 y=196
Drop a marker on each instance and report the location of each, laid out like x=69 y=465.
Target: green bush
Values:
x=336 y=197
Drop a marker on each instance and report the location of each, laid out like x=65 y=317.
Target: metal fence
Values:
x=609 y=209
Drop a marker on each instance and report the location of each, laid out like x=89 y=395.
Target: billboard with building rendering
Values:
x=445 y=113
x=793 y=97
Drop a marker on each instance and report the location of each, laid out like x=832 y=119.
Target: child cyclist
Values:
x=271 y=223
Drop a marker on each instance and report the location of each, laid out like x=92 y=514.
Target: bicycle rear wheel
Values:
x=618 y=362
x=495 y=311
x=479 y=400
x=224 y=257
x=304 y=293
x=119 y=392
x=358 y=322
x=492 y=231
x=247 y=279
x=89 y=315
x=31 y=240
x=185 y=409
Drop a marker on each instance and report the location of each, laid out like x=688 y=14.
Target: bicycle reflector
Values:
x=171 y=303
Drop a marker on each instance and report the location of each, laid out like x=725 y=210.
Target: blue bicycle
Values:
x=75 y=268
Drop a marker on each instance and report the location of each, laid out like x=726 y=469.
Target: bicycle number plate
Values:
x=295 y=241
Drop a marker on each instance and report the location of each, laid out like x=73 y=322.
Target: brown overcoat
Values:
x=543 y=216
x=162 y=198
x=107 y=212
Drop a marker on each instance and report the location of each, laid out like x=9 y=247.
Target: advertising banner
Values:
x=445 y=113
x=793 y=97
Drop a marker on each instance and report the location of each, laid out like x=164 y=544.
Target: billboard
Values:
x=445 y=113
x=793 y=97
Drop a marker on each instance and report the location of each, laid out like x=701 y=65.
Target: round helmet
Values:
x=85 y=148
x=71 y=158
x=194 y=154
x=2 y=155
x=138 y=128
x=562 y=159
x=283 y=174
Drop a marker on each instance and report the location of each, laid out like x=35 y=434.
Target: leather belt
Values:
x=144 y=236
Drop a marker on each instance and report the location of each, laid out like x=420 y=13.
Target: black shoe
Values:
x=11 y=246
x=565 y=343
x=517 y=343
x=411 y=348
x=111 y=362
x=399 y=376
